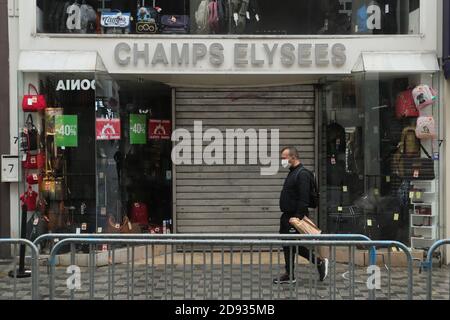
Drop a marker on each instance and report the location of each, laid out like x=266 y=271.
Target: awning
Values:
x=61 y=61
x=395 y=62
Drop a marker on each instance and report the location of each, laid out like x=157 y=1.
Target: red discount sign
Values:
x=160 y=129
x=108 y=129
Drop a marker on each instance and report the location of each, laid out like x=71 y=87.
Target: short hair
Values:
x=293 y=152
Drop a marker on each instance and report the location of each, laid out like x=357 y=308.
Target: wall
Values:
x=4 y=119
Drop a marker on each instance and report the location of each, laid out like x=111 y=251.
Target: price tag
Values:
x=78 y=231
x=418 y=195
x=333 y=161
x=105 y=247
x=84 y=226
x=376 y=192
x=117 y=226
x=35 y=221
x=340 y=209
x=344 y=189
x=388 y=179
x=416 y=174
x=103 y=211
x=99 y=230
x=129 y=225
x=396 y=216
x=411 y=195
x=247 y=14
x=369 y=222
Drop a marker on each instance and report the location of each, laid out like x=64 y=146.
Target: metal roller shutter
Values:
x=237 y=198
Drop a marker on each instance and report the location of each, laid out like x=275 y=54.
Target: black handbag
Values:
x=37 y=226
x=29 y=137
x=416 y=168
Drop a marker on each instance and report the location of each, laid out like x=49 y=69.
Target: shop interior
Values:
x=229 y=17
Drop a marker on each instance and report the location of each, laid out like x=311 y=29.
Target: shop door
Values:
x=237 y=198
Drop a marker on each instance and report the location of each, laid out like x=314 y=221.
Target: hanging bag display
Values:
x=405 y=106
x=201 y=17
x=426 y=128
x=424 y=96
x=33 y=102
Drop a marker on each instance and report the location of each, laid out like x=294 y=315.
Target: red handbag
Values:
x=33 y=102
x=33 y=161
x=139 y=213
x=33 y=179
x=405 y=106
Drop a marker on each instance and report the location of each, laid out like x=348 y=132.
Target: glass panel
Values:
x=376 y=178
x=290 y=17
x=59 y=154
x=134 y=177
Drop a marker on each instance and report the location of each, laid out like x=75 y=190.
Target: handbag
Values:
x=405 y=106
x=33 y=102
x=175 y=24
x=33 y=161
x=424 y=96
x=426 y=128
x=53 y=189
x=416 y=168
x=139 y=213
x=37 y=226
x=305 y=226
x=34 y=178
x=29 y=136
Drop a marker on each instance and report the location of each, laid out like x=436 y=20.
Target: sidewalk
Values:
x=247 y=283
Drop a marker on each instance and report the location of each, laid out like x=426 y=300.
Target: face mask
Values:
x=285 y=163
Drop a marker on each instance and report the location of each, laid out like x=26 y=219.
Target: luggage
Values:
x=175 y=24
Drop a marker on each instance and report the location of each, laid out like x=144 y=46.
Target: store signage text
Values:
x=303 y=55
x=75 y=85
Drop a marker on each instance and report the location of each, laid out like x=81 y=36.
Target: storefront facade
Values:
x=329 y=91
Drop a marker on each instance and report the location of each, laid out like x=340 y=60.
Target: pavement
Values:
x=214 y=281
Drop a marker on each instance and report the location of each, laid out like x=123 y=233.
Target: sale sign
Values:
x=160 y=129
x=108 y=129
x=138 y=128
x=66 y=129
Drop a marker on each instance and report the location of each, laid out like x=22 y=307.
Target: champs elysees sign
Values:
x=304 y=55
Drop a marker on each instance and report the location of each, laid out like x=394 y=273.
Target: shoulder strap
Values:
x=425 y=151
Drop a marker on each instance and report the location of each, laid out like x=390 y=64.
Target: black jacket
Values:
x=294 y=198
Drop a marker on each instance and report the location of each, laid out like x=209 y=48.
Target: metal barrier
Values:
x=218 y=276
x=428 y=264
x=21 y=273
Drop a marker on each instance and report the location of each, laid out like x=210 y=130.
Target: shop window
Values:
x=379 y=178
x=290 y=17
x=96 y=155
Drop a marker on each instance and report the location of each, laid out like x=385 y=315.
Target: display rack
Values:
x=424 y=218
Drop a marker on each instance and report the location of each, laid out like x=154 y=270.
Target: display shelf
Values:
x=423 y=236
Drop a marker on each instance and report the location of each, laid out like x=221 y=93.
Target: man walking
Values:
x=294 y=203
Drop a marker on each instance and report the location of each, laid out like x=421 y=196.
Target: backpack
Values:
x=423 y=96
x=314 y=194
x=213 y=16
x=426 y=128
x=201 y=17
x=405 y=106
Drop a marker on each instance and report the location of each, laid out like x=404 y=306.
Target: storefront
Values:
x=335 y=94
